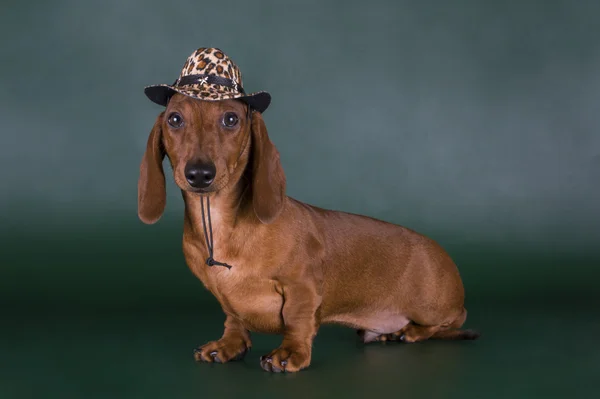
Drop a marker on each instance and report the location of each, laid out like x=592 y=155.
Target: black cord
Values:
x=210 y=261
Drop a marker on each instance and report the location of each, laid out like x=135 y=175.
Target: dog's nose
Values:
x=200 y=174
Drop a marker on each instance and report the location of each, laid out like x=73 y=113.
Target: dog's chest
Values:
x=242 y=292
x=254 y=300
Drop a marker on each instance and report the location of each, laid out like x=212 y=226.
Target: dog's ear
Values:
x=152 y=196
x=268 y=179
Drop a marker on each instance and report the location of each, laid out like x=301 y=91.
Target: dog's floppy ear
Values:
x=268 y=179
x=152 y=195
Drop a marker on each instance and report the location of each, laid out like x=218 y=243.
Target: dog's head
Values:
x=209 y=145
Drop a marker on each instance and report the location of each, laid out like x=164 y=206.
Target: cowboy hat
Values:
x=210 y=75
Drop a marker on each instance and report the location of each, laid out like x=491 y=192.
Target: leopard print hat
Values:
x=209 y=74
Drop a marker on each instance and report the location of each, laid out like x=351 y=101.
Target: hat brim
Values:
x=160 y=95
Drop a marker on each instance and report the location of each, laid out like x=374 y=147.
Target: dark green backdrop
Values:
x=474 y=122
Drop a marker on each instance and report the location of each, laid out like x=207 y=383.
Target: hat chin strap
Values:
x=210 y=261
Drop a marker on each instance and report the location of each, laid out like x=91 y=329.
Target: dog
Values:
x=277 y=265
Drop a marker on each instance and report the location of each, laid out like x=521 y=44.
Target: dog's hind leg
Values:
x=377 y=327
x=413 y=332
x=450 y=331
x=367 y=336
x=453 y=330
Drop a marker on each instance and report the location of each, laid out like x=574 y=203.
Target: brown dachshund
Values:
x=285 y=267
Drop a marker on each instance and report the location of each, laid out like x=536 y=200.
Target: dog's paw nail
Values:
x=266 y=363
x=402 y=338
x=214 y=355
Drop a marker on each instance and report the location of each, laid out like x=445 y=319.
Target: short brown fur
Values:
x=295 y=266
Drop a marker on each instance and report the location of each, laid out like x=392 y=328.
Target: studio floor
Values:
x=116 y=314
x=527 y=350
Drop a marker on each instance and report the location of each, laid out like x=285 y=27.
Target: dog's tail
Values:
x=456 y=335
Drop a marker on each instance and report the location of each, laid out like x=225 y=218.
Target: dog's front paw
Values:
x=222 y=351
x=286 y=359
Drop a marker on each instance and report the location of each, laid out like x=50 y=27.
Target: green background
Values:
x=474 y=122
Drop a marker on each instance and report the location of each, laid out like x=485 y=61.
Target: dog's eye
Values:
x=230 y=119
x=175 y=120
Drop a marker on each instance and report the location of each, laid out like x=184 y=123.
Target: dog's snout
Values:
x=200 y=174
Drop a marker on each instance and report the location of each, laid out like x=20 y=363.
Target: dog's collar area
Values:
x=210 y=261
x=209 y=79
